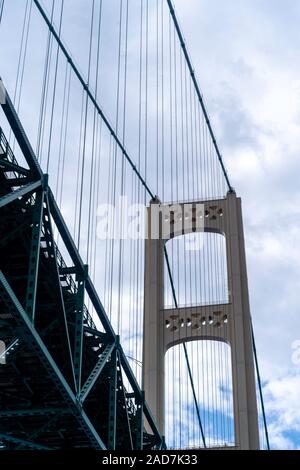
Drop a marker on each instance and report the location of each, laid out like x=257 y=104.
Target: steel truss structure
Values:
x=63 y=381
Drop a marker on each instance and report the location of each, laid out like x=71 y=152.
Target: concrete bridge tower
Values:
x=222 y=216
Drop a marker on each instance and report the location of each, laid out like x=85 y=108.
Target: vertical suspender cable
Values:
x=146 y=91
x=87 y=90
x=54 y=88
x=186 y=355
x=78 y=164
x=39 y=144
x=123 y=169
x=138 y=192
x=20 y=54
x=24 y=55
x=162 y=106
x=22 y=60
x=93 y=163
x=64 y=100
x=85 y=127
x=65 y=139
x=114 y=181
x=98 y=140
x=189 y=64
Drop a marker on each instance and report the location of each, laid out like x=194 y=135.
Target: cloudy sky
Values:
x=246 y=57
x=246 y=54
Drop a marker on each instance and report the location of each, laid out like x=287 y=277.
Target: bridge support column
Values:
x=229 y=322
x=243 y=374
x=153 y=345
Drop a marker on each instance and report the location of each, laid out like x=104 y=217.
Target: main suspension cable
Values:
x=1 y=10
x=260 y=388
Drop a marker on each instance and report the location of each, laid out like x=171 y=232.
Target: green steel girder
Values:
x=34 y=412
x=99 y=334
x=112 y=405
x=163 y=445
x=34 y=255
x=68 y=270
x=139 y=425
x=31 y=336
x=49 y=327
x=21 y=137
x=49 y=239
x=124 y=404
x=78 y=263
x=78 y=334
x=23 y=443
x=13 y=234
x=18 y=181
x=19 y=374
x=19 y=193
x=10 y=166
x=90 y=382
x=139 y=395
x=45 y=426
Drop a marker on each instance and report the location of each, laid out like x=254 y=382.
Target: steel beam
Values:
x=21 y=137
x=19 y=193
x=78 y=263
x=112 y=405
x=50 y=247
x=9 y=166
x=123 y=398
x=45 y=426
x=23 y=443
x=103 y=337
x=91 y=380
x=34 y=255
x=11 y=235
x=33 y=412
x=78 y=334
x=31 y=336
x=139 y=394
x=139 y=424
x=17 y=182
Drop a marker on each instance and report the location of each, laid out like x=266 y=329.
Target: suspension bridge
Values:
x=110 y=339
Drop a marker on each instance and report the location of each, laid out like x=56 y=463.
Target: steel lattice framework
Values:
x=62 y=385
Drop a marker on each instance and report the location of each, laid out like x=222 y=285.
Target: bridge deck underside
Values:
x=42 y=404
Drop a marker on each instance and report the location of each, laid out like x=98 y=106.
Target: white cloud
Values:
x=246 y=58
x=282 y=406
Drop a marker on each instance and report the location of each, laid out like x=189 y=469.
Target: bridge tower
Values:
x=222 y=216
